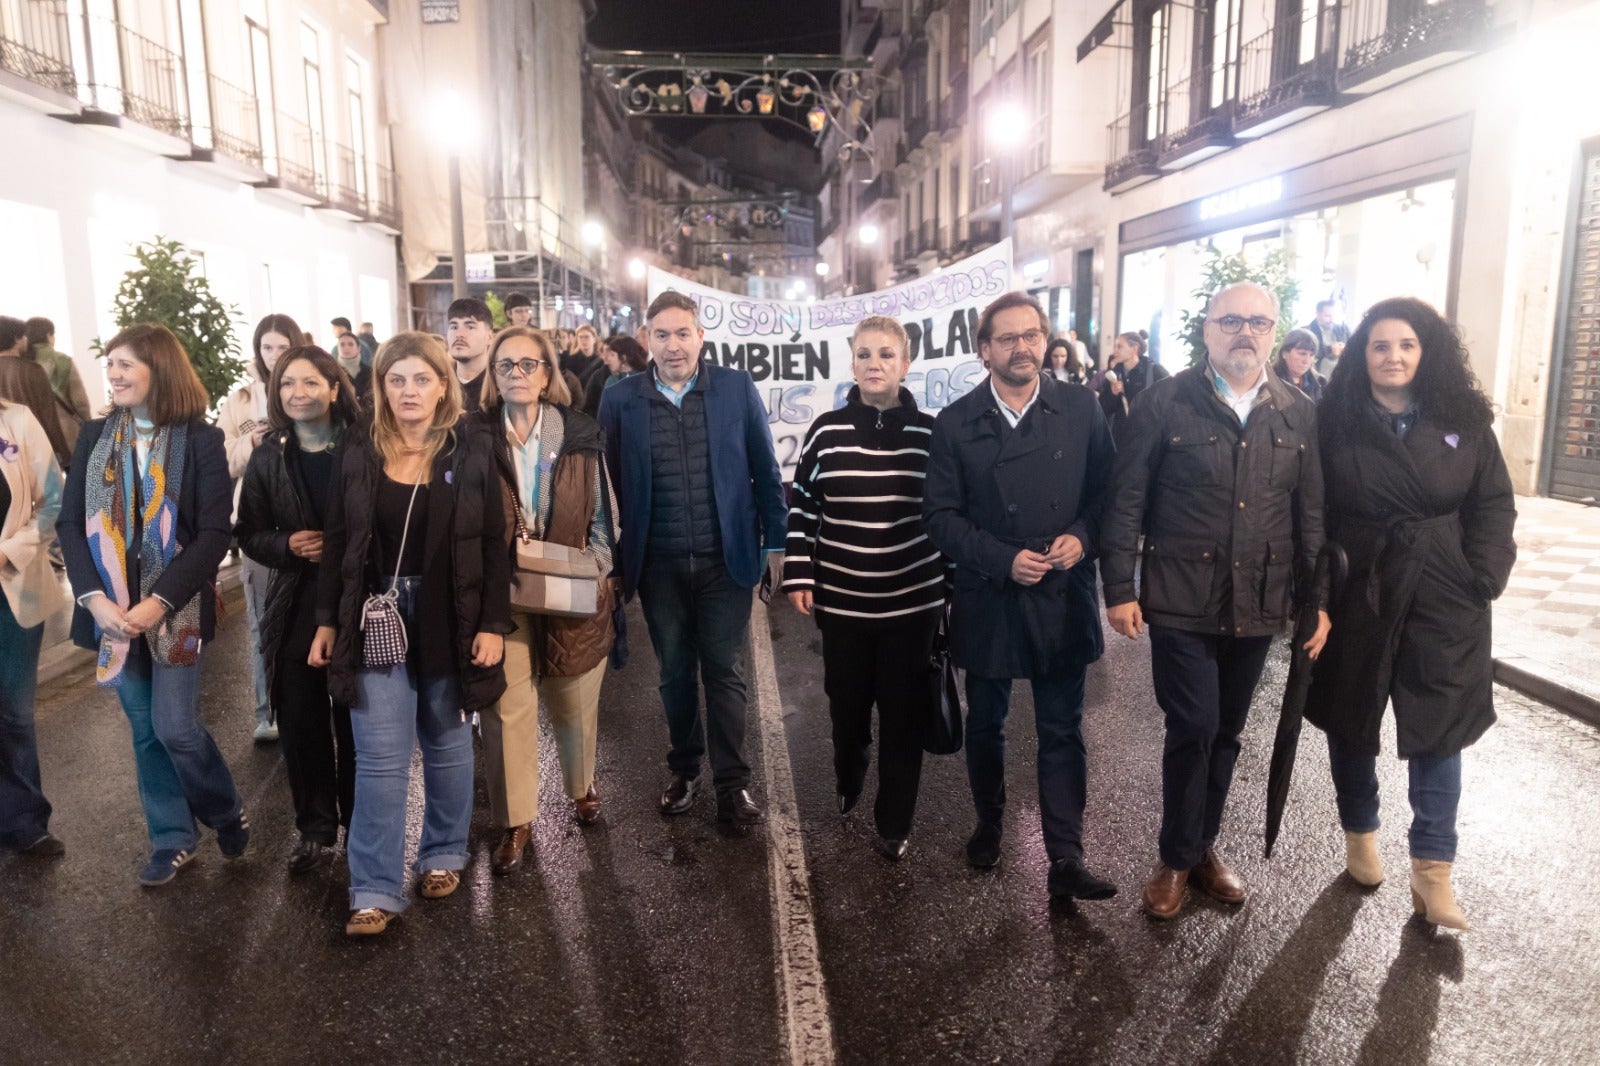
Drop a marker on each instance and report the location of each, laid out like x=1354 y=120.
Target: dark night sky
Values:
x=717 y=25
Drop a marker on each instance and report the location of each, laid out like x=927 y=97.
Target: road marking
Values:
x=801 y=991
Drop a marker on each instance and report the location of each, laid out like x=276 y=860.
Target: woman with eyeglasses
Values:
x=283 y=508
x=551 y=458
x=412 y=608
x=242 y=417
x=1128 y=373
x=143 y=527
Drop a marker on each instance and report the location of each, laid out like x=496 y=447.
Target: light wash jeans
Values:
x=396 y=711
x=255 y=579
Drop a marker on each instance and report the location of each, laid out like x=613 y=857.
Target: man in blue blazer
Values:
x=702 y=508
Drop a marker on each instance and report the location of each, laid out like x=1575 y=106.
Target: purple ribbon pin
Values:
x=9 y=450
x=1452 y=439
x=449 y=477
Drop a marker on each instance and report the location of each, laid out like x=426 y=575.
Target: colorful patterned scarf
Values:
x=115 y=491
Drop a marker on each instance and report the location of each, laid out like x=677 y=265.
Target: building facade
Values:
x=254 y=132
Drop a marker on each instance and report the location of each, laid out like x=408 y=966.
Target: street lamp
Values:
x=868 y=233
x=636 y=268
x=822 y=269
x=1005 y=128
x=593 y=232
x=453 y=123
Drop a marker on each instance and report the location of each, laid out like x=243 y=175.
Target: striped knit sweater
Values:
x=855 y=524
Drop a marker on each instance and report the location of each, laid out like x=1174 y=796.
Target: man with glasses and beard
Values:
x=1217 y=503
x=1017 y=472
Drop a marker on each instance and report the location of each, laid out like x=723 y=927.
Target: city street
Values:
x=653 y=940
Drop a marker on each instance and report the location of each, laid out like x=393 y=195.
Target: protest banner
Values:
x=798 y=354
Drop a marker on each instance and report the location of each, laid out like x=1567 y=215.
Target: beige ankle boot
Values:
x=1361 y=858
x=1431 y=895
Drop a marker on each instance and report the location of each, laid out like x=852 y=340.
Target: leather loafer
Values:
x=1216 y=879
x=983 y=848
x=307 y=856
x=893 y=848
x=679 y=795
x=737 y=807
x=508 y=855
x=1069 y=879
x=1163 y=893
x=588 y=808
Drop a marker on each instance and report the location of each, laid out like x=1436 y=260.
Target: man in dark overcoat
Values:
x=1017 y=471
x=1217 y=503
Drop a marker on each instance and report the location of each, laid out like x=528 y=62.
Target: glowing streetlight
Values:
x=822 y=270
x=593 y=232
x=868 y=233
x=453 y=123
x=1005 y=127
x=636 y=268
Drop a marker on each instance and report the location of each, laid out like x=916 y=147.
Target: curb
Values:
x=1538 y=680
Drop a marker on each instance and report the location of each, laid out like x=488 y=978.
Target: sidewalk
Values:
x=1547 y=624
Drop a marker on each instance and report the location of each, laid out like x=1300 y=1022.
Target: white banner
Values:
x=799 y=353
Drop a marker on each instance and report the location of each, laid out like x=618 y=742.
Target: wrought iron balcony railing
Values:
x=1288 y=72
x=35 y=44
x=153 y=89
x=1382 y=39
x=235 y=122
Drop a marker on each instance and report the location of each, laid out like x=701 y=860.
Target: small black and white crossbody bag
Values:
x=384 y=642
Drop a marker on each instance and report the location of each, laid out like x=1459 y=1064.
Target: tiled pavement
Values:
x=1555 y=588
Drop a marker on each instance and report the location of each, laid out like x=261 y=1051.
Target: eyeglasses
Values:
x=528 y=367
x=1009 y=341
x=1260 y=325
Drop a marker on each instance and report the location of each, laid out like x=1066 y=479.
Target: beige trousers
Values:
x=511 y=730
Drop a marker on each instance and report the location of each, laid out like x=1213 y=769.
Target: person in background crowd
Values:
x=242 y=417
x=590 y=369
x=701 y=499
x=1331 y=337
x=369 y=343
x=356 y=367
x=144 y=574
x=552 y=458
x=30 y=499
x=519 y=309
x=283 y=508
x=1081 y=349
x=469 y=331
x=860 y=563
x=1295 y=356
x=623 y=357
x=1217 y=503
x=1128 y=373
x=417 y=509
x=1061 y=360
x=22 y=381
x=73 y=406
x=1016 y=480
x=1419 y=496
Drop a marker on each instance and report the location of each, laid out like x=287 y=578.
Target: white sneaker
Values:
x=265 y=732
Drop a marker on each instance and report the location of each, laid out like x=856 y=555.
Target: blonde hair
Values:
x=883 y=324
x=555 y=386
x=385 y=429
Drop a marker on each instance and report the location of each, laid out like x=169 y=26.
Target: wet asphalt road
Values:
x=644 y=939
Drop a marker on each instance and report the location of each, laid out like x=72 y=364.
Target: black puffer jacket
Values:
x=274 y=503
x=467 y=583
x=683 y=507
x=1230 y=515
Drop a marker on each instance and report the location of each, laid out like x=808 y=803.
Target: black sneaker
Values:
x=163 y=866
x=234 y=837
x=48 y=846
x=983 y=849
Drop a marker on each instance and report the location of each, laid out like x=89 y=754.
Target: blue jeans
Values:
x=1062 y=762
x=1435 y=795
x=182 y=776
x=255 y=578
x=24 y=812
x=396 y=712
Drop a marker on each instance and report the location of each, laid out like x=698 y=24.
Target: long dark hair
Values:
x=282 y=325
x=1445 y=388
x=342 y=412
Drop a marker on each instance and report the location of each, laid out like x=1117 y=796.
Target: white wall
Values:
x=80 y=198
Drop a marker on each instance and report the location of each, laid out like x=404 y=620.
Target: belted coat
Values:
x=1427 y=524
x=993 y=490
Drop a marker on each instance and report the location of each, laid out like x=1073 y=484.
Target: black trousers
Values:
x=699 y=619
x=319 y=751
x=1204 y=685
x=882 y=663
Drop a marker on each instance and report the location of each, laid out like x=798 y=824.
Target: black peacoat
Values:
x=992 y=491
x=1427 y=524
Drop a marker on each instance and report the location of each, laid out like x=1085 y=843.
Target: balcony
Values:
x=1132 y=153
x=1386 y=41
x=234 y=135
x=951 y=116
x=968 y=235
x=880 y=188
x=1206 y=130
x=36 y=54
x=143 y=82
x=1287 y=73
x=345 y=188
x=295 y=170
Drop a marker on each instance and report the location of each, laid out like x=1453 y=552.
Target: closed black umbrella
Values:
x=1331 y=568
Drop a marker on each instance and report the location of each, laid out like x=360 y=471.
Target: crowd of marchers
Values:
x=439 y=530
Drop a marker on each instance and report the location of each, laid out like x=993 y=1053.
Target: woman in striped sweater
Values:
x=859 y=561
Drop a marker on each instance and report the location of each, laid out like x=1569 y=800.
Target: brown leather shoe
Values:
x=1216 y=879
x=1163 y=893
x=508 y=856
x=588 y=808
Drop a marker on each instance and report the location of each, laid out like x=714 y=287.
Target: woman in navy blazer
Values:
x=144 y=525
